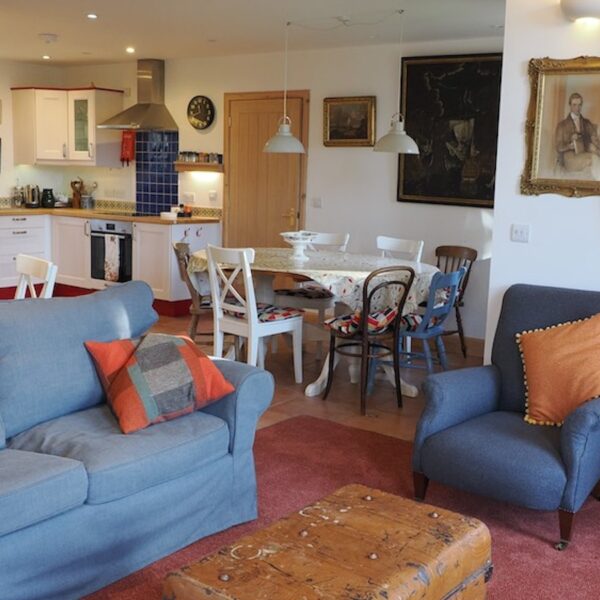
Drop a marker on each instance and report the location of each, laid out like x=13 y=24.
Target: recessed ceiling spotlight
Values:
x=92 y=16
x=130 y=49
x=46 y=57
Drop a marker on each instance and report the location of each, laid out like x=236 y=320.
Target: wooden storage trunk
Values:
x=356 y=544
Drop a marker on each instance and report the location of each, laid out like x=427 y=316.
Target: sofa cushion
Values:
x=35 y=487
x=499 y=455
x=119 y=465
x=560 y=367
x=45 y=369
x=156 y=378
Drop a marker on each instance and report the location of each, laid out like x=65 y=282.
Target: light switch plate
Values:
x=519 y=233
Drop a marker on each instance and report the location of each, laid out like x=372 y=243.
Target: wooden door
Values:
x=264 y=193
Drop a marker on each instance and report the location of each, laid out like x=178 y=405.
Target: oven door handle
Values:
x=121 y=236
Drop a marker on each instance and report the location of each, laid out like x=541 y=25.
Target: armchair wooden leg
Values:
x=420 y=482
x=565 y=521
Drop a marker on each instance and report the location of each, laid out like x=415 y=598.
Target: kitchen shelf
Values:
x=198 y=166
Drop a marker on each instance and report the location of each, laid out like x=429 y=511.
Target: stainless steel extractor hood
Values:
x=150 y=112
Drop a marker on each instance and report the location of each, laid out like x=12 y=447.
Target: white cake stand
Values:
x=299 y=241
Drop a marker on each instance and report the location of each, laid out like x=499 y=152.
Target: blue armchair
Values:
x=472 y=434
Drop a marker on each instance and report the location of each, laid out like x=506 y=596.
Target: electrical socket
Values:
x=519 y=233
x=317 y=202
x=188 y=197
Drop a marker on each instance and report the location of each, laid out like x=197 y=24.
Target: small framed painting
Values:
x=349 y=121
x=563 y=145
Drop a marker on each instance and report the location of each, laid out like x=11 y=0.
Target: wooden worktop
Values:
x=95 y=214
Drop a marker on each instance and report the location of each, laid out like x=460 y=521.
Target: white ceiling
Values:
x=189 y=28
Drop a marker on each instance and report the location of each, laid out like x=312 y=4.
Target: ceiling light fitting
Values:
x=130 y=50
x=397 y=140
x=46 y=57
x=580 y=9
x=92 y=16
x=283 y=142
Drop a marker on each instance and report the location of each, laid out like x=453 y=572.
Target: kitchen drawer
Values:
x=22 y=221
x=23 y=239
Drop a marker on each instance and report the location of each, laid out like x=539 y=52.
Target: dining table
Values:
x=342 y=273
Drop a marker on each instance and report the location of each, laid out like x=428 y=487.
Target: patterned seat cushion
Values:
x=268 y=312
x=312 y=291
x=378 y=322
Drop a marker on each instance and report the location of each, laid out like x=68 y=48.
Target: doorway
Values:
x=264 y=194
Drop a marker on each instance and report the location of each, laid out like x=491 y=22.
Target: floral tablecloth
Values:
x=342 y=273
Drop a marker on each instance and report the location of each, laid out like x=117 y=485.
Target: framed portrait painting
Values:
x=451 y=106
x=563 y=145
x=349 y=121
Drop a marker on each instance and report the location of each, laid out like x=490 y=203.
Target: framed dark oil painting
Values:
x=349 y=121
x=451 y=106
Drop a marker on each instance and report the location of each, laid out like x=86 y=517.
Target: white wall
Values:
x=564 y=243
x=14 y=74
x=357 y=186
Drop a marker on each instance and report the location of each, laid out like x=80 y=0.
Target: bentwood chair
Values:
x=200 y=304
x=452 y=258
x=400 y=248
x=373 y=332
x=236 y=312
x=30 y=269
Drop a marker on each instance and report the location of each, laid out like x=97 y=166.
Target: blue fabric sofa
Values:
x=81 y=504
x=472 y=434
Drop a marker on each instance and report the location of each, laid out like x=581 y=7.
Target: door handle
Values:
x=290 y=215
x=64 y=151
x=91 y=150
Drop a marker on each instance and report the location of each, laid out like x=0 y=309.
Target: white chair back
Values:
x=32 y=268
x=329 y=241
x=400 y=248
x=223 y=293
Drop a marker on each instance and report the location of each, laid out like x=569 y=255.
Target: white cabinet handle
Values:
x=22 y=232
x=199 y=232
x=133 y=230
x=86 y=229
x=91 y=150
x=64 y=151
x=19 y=218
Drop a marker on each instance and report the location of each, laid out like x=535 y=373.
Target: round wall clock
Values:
x=201 y=112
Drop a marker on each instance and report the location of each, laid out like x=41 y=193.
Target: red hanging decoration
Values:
x=127 y=147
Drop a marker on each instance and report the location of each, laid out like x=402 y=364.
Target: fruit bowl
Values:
x=299 y=240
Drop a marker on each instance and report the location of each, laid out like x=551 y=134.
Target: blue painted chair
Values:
x=472 y=434
x=430 y=325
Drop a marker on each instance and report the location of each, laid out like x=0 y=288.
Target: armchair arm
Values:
x=580 y=449
x=241 y=409
x=454 y=397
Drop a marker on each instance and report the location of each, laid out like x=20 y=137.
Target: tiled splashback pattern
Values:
x=156 y=179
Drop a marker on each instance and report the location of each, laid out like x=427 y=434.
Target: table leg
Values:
x=318 y=385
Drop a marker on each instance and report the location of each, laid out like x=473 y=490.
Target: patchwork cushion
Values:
x=35 y=487
x=268 y=312
x=311 y=291
x=156 y=378
x=560 y=366
x=119 y=465
x=378 y=321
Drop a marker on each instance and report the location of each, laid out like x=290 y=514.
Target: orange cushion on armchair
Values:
x=561 y=365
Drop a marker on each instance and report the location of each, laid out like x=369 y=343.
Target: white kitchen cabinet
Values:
x=21 y=235
x=58 y=127
x=154 y=260
x=71 y=250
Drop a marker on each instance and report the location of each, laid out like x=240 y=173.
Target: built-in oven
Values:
x=112 y=244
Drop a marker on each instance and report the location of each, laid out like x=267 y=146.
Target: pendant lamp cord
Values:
x=398 y=114
x=285 y=71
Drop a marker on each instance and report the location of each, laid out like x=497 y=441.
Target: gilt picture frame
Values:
x=349 y=121
x=561 y=130
x=451 y=106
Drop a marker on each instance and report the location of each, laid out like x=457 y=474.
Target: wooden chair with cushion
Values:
x=400 y=248
x=200 y=304
x=31 y=268
x=453 y=258
x=375 y=332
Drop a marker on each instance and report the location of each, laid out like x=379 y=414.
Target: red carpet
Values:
x=302 y=459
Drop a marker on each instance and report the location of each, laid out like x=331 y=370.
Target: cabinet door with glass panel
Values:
x=82 y=130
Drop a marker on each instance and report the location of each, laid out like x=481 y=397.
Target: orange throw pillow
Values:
x=561 y=369
x=156 y=378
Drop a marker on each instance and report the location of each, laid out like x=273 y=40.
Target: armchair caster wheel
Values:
x=562 y=545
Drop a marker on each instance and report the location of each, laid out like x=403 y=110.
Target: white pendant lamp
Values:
x=397 y=140
x=580 y=9
x=283 y=142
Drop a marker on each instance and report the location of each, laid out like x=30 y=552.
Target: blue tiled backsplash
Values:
x=156 y=178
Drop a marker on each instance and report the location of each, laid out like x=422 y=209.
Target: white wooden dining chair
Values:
x=400 y=248
x=239 y=314
x=32 y=269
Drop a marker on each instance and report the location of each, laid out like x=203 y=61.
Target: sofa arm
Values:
x=580 y=449
x=241 y=409
x=453 y=397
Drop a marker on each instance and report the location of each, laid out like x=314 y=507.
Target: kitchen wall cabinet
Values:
x=71 y=250
x=154 y=260
x=21 y=235
x=58 y=127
